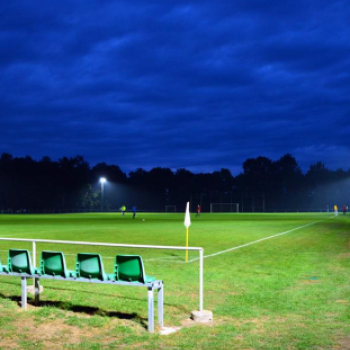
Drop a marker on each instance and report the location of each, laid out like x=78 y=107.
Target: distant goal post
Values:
x=224 y=207
x=170 y=209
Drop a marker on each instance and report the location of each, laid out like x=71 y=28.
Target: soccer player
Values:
x=123 y=209
x=198 y=210
x=335 y=210
x=134 y=211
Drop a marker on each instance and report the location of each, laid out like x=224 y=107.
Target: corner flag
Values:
x=187 y=224
x=187 y=216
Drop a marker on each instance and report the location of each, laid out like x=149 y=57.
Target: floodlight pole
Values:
x=102 y=181
x=102 y=194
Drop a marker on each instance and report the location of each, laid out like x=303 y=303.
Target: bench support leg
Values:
x=150 y=310
x=36 y=291
x=160 y=305
x=24 y=292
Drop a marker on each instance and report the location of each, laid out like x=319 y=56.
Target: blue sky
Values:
x=199 y=85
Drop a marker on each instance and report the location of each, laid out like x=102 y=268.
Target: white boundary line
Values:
x=259 y=240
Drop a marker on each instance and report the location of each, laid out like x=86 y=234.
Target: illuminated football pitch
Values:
x=292 y=267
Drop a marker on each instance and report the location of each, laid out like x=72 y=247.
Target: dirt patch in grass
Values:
x=344 y=255
x=51 y=334
x=343 y=344
x=55 y=333
x=55 y=328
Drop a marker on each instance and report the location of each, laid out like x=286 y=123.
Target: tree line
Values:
x=72 y=184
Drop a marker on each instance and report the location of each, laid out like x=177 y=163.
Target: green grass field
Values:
x=291 y=291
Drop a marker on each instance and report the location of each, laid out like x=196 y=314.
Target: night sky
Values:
x=201 y=85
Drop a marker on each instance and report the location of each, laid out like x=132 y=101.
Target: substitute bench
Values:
x=128 y=271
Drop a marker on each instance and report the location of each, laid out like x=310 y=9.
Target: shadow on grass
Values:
x=15 y=299
x=18 y=299
x=172 y=254
x=88 y=310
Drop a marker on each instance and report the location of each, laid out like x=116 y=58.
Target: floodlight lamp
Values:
x=103 y=180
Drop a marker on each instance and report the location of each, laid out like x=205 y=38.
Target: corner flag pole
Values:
x=186 y=244
x=187 y=224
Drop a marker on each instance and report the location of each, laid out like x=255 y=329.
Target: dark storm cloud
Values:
x=199 y=84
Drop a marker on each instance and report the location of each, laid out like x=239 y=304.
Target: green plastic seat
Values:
x=130 y=269
x=90 y=265
x=19 y=261
x=54 y=264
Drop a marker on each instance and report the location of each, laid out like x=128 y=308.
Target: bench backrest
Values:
x=130 y=268
x=19 y=261
x=89 y=265
x=53 y=263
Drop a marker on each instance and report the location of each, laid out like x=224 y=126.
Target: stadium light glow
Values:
x=103 y=180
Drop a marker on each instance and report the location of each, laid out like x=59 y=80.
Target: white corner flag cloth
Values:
x=187 y=216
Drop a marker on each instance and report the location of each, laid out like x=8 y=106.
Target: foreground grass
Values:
x=288 y=292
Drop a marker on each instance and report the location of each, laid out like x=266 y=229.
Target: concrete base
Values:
x=31 y=289
x=204 y=316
